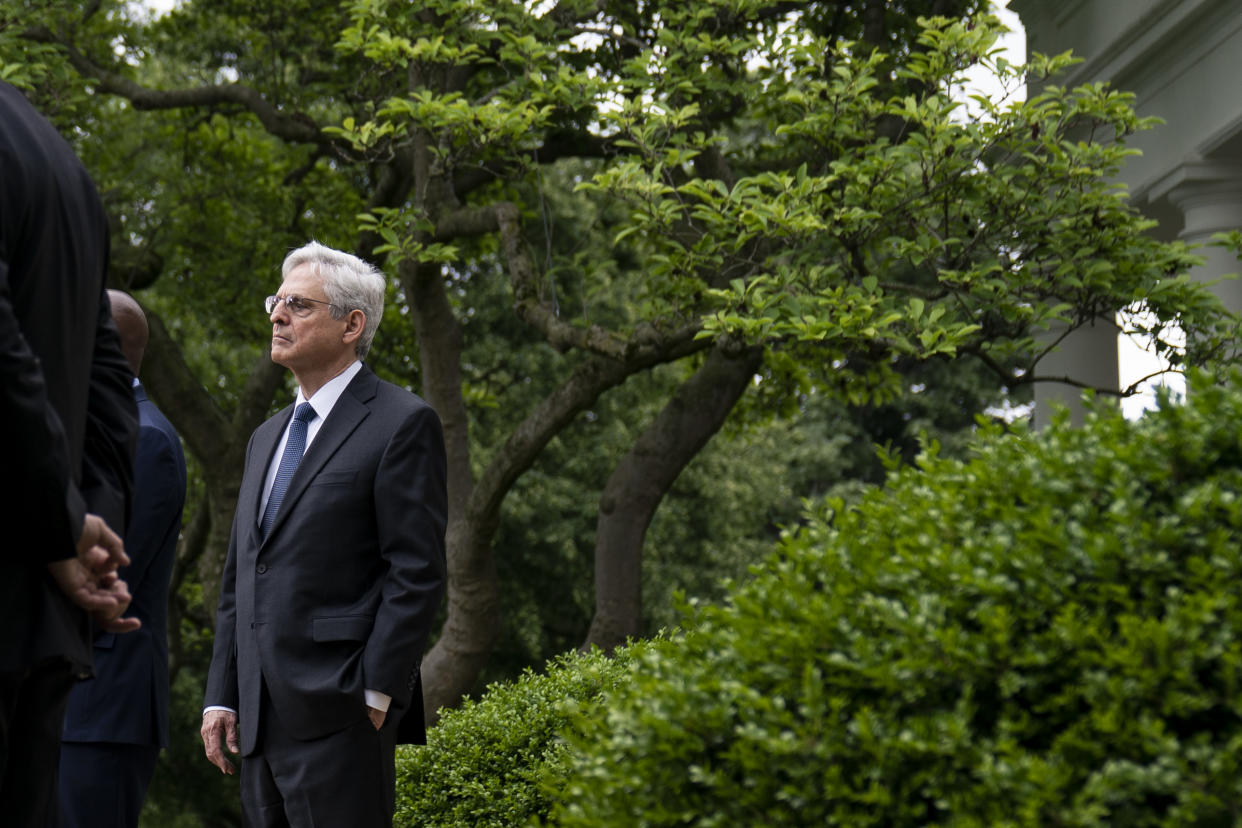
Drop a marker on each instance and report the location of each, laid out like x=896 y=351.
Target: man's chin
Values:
x=279 y=351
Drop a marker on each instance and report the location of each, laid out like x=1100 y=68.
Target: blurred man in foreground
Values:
x=69 y=418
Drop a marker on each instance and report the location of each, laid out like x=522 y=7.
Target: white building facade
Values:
x=1183 y=61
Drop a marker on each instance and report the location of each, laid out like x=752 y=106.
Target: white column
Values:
x=1209 y=195
x=1087 y=355
x=1210 y=198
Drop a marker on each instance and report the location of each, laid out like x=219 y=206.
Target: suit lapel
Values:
x=350 y=410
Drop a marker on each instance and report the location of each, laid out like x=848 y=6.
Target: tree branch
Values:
x=582 y=388
x=564 y=143
x=262 y=383
x=466 y=222
x=644 y=476
x=198 y=419
x=296 y=127
x=1133 y=388
x=1067 y=380
x=560 y=334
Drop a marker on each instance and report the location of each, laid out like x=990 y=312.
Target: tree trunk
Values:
x=642 y=478
x=189 y=551
x=450 y=669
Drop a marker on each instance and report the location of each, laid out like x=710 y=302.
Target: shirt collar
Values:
x=325 y=398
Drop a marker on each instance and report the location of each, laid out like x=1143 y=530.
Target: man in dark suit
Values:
x=335 y=568
x=118 y=721
x=69 y=424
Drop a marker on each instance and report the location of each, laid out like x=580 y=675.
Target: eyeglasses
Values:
x=296 y=305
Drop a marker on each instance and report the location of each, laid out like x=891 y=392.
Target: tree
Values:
x=776 y=198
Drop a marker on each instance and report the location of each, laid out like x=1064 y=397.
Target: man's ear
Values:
x=355 y=321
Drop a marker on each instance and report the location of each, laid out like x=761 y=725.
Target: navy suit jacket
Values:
x=339 y=598
x=66 y=408
x=127 y=701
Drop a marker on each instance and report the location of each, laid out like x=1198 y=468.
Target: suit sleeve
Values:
x=411 y=515
x=37 y=438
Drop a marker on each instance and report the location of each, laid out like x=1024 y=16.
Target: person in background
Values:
x=70 y=424
x=118 y=721
x=335 y=568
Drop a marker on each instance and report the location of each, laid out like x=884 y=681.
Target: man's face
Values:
x=307 y=343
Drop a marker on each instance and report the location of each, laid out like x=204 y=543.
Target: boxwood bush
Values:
x=484 y=762
x=1045 y=634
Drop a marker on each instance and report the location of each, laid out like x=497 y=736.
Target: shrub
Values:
x=483 y=763
x=1044 y=634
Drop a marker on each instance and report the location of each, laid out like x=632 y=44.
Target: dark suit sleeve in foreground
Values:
x=60 y=359
x=37 y=439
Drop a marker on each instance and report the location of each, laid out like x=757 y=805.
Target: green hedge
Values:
x=1046 y=634
x=484 y=762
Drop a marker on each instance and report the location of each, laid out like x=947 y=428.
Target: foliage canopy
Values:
x=1046 y=633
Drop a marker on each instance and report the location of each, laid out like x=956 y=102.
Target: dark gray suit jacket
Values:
x=340 y=597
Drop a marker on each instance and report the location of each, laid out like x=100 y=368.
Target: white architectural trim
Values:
x=1180 y=58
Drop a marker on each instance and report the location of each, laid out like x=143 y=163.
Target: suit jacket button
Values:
x=261 y=568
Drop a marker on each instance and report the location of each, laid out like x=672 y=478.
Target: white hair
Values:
x=349 y=282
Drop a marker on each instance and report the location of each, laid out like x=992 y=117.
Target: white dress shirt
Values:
x=323 y=401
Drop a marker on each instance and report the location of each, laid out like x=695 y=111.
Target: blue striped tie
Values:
x=294 y=448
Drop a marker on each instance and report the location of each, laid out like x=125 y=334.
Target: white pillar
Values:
x=1210 y=198
x=1087 y=355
